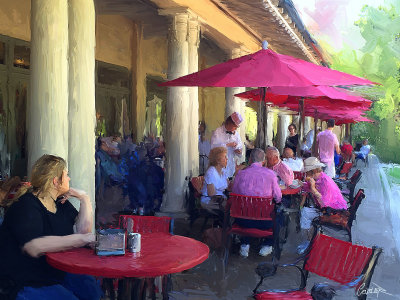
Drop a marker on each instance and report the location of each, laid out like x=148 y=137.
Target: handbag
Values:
x=338 y=218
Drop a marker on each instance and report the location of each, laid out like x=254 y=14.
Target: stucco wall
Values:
x=212 y=107
x=149 y=57
x=15 y=18
x=113 y=33
x=154 y=56
x=211 y=99
x=113 y=40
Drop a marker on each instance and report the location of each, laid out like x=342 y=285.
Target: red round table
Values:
x=290 y=191
x=161 y=254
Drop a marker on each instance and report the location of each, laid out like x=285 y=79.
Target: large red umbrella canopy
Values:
x=279 y=95
x=320 y=104
x=341 y=121
x=266 y=68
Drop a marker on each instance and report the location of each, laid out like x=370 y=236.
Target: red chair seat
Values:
x=253 y=232
x=284 y=295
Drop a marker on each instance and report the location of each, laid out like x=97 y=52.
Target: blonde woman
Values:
x=41 y=221
x=215 y=179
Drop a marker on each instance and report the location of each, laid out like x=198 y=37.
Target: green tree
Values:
x=379 y=61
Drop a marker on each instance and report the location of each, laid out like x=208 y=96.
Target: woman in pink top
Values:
x=325 y=192
x=322 y=187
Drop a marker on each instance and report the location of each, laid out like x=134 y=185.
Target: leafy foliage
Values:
x=379 y=61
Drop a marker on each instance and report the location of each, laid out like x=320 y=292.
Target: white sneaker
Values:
x=244 y=250
x=265 y=250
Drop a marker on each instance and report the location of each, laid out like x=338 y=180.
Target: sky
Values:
x=332 y=21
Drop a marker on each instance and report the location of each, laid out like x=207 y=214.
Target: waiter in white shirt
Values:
x=227 y=136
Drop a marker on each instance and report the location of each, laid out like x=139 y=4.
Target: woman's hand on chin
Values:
x=79 y=194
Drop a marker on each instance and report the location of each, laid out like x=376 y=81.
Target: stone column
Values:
x=283 y=124
x=242 y=127
x=307 y=125
x=233 y=103
x=177 y=112
x=47 y=113
x=81 y=106
x=296 y=121
x=193 y=119
x=270 y=128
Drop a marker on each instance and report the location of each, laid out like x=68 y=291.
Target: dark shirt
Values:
x=25 y=220
x=291 y=142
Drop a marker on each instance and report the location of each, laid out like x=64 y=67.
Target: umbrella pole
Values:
x=264 y=94
x=266 y=126
x=301 y=126
x=260 y=125
x=262 y=122
x=314 y=147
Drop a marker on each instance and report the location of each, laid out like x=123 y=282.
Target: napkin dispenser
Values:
x=110 y=242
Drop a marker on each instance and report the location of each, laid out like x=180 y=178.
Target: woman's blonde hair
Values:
x=43 y=171
x=214 y=155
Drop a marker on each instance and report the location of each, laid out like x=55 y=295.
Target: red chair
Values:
x=342 y=220
x=197 y=183
x=194 y=207
x=347 y=264
x=347 y=187
x=345 y=170
x=298 y=175
x=251 y=208
x=147 y=224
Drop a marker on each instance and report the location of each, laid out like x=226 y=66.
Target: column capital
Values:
x=194 y=31
x=237 y=52
x=176 y=11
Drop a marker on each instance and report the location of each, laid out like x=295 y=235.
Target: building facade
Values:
x=66 y=66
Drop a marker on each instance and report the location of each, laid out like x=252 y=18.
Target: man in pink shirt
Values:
x=256 y=180
x=275 y=164
x=327 y=143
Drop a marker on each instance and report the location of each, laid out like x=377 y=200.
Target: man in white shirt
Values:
x=228 y=136
x=364 y=150
x=289 y=160
x=204 y=148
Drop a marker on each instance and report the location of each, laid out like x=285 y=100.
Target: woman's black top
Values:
x=25 y=220
x=291 y=142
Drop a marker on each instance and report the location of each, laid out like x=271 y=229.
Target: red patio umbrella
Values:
x=266 y=68
x=311 y=98
x=352 y=121
x=280 y=94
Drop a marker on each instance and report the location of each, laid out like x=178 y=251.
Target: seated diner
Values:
x=41 y=220
x=346 y=150
x=284 y=173
x=295 y=164
x=364 y=151
x=323 y=190
x=256 y=180
x=215 y=180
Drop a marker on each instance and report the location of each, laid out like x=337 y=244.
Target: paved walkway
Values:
x=373 y=226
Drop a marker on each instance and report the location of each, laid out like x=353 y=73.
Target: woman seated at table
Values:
x=324 y=191
x=215 y=180
x=41 y=221
x=346 y=150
